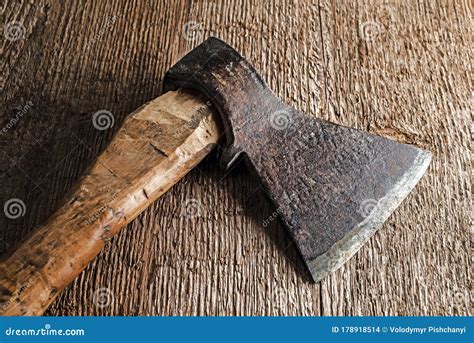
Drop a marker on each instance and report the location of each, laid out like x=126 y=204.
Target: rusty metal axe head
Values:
x=332 y=186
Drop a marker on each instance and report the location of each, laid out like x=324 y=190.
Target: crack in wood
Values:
x=158 y=150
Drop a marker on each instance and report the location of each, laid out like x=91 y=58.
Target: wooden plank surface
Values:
x=401 y=69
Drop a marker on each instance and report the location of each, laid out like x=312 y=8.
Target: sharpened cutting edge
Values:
x=344 y=249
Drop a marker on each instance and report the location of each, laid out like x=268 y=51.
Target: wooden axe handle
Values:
x=158 y=144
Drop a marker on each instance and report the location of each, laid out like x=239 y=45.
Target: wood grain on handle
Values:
x=156 y=146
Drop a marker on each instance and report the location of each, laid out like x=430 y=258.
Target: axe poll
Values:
x=332 y=186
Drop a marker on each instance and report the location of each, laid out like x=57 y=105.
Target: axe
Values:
x=331 y=185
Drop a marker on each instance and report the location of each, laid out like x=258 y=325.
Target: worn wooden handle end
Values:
x=158 y=144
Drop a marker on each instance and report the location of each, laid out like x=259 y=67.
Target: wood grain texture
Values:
x=401 y=69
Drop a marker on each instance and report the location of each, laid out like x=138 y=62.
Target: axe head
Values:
x=332 y=186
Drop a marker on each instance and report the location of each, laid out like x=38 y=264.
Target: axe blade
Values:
x=332 y=186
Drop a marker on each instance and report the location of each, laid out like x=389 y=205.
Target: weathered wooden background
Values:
x=397 y=68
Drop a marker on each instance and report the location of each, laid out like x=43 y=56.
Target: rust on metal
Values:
x=333 y=186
